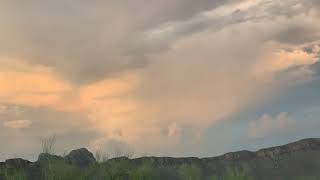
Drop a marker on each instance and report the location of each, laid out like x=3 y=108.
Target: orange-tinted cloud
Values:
x=17 y=124
x=194 y=72
x=25 y=84
x=276 y=60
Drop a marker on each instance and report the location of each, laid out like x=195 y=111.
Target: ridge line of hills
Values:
x=301 y=145
x=296 y=159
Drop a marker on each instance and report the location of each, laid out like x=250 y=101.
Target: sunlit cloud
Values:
x=17 y=124
x=24 y=84
x=160 y=70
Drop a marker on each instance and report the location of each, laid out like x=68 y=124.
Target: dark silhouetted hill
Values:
x=297 y=159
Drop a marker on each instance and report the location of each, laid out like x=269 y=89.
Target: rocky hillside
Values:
x=298 y=159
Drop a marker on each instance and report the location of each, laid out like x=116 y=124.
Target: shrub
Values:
x=144 y=172
x=48 y=143
x=306 y=178
x=189 y=172
x=13 y=174
x=117 y=170
x=101 y=156
x=233 y=174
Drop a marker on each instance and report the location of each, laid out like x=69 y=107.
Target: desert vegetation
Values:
x=124 y=171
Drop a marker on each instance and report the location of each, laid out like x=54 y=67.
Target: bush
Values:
x=189 y=172
x=306 y=178
x=117 y=170
x=233 y=174
x=13 y=174
x=144 y=172
x=47 y=144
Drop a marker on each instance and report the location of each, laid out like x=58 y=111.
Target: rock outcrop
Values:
x=17 y=163
x=302 y=145
x=46 y=158
x=80 y=158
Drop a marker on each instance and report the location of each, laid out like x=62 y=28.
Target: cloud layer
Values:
x=153 y=70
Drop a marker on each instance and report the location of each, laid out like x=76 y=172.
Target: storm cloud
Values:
x=117 y=71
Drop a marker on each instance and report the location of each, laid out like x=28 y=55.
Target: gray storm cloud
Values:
x=155 y=69
x=85 y=40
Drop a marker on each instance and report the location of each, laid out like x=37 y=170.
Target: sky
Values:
x=163 y=78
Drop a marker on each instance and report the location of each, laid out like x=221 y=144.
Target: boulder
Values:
x=17 y=163
x=81 y=158
x=49 y=158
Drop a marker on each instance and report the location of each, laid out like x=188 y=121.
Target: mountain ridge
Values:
x=300 y=145
x=296 y=159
